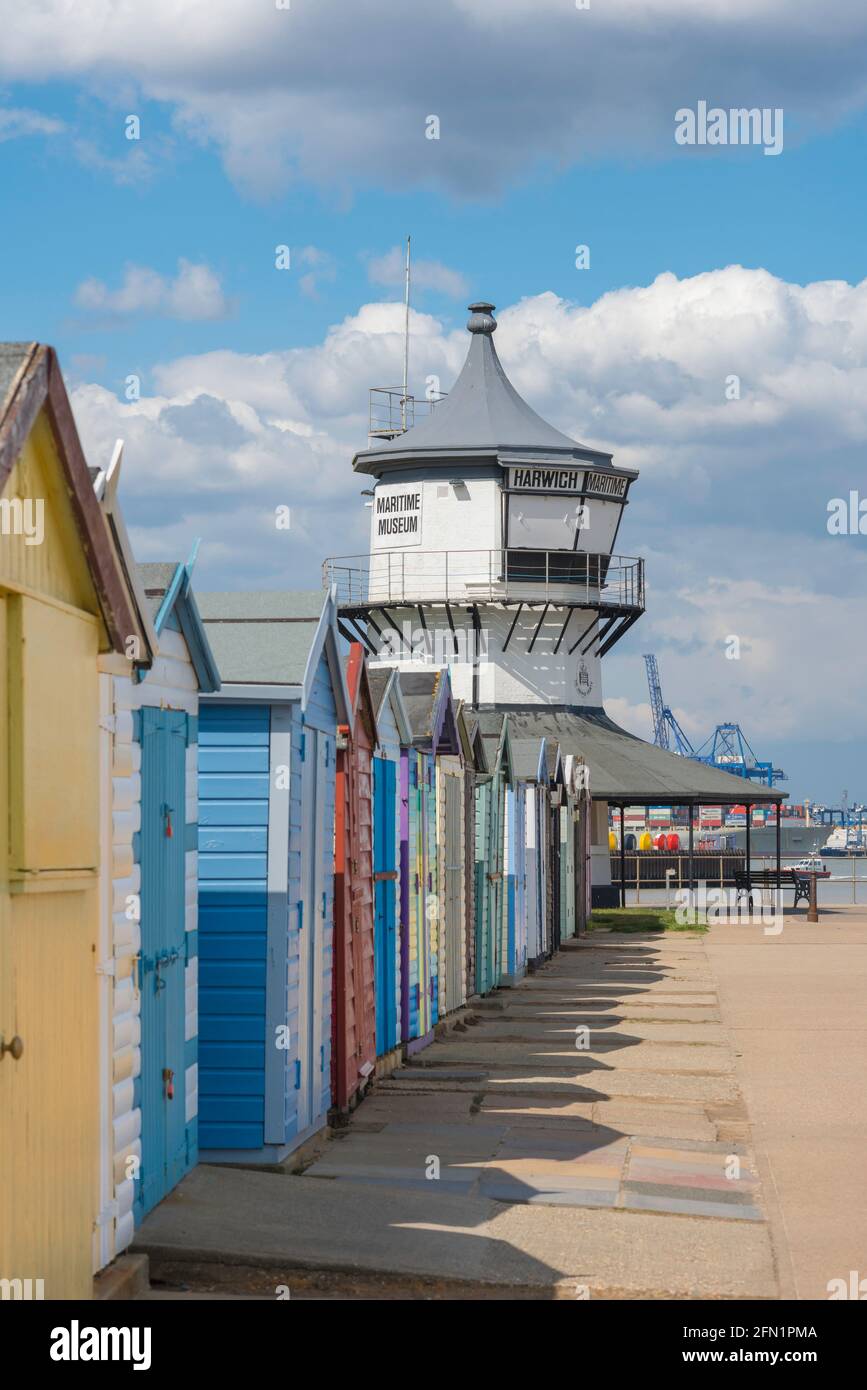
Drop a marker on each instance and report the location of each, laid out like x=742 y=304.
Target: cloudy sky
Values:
x=149 y=263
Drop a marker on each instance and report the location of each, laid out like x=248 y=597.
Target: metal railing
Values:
x=411 y=576
x=391 y=412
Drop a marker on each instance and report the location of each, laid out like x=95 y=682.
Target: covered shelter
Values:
x=623 y=770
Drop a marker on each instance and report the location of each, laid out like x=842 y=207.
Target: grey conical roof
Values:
x=483 y=417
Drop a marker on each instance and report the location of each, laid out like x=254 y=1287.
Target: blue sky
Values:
x=156 y=258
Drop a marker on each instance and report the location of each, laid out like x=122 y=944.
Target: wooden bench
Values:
x=748 y=879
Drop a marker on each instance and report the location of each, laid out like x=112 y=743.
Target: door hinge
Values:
x=106 y=967
x=324 y=904
x=297 y=1074
x=109 y=723
x=106 y=1216
x=303 y=746
x=300 y=915
x=322 y=1058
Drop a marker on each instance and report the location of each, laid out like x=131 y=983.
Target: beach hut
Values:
x=354 y=1009
x=267 y=765
x=389 y=808
x=149 y=916
x=476 y=772
x=430 y=709
x=162 y=704
x=491 y=898
x=526 y=902
x=577 y=781
x=556 y=796
x=452 y=783
x=64 y=601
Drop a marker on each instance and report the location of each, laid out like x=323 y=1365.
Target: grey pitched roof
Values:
x=525 y=756
x=482 y=416
x=262 y=637
x=155 y=578
x=378 y=678
x=13 y=357
x=263 y=604
x=625 y=768
x=419 y=690
x=476 y=738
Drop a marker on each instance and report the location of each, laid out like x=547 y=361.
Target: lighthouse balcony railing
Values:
x=391 y=578
x=391 y=411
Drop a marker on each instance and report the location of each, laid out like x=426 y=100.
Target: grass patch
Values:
x=639 y=919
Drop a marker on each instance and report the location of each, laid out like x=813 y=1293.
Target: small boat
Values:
x=812 y=864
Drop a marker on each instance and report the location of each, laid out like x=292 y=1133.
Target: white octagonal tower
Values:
x=492 y=548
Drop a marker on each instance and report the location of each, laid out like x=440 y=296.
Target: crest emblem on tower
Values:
x=583 y=681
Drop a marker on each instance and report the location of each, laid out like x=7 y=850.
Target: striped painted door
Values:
x=487 y=898
x=385 y=878
x=432 y=923
x=233 y=923
x=452 y=867
x=418 y=926
x=163 y=954
x=309 y=1079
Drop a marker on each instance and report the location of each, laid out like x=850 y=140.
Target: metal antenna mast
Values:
x=405 y=343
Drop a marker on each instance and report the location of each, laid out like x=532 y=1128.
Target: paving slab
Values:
x=632 y=1054
x=603 y=1031
x=650 y=1119
x=587 y=1013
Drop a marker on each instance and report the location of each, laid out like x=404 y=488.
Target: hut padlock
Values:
x=167 y=812
x=169 y=1083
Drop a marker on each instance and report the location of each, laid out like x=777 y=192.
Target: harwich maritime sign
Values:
x=569 y=480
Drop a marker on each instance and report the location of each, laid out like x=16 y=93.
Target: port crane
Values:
x=665 y=725
x=726 y=748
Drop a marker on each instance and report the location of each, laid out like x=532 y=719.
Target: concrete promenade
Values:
x=507 y=1161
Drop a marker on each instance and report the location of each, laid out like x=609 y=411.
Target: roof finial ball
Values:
x=481 y=318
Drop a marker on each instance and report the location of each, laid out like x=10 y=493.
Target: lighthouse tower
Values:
x=491 y=547
x=492 y=552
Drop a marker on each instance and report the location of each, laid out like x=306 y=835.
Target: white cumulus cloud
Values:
x=303 y=91
x=729 y=512
x=194 y=293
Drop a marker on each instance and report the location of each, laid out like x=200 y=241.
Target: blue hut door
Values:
x=163 y=954
x=385 y=879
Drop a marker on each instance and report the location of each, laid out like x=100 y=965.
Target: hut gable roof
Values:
x=358 y=685
x=494 y=727
x=477 y=742
x=431 y=709
x=385 y=691
x=30 y=381
x=271 y=641
x=105 y=486
x=167 y=588
x=529 y=759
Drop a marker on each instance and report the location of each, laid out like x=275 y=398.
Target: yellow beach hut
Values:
x=63 y=601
